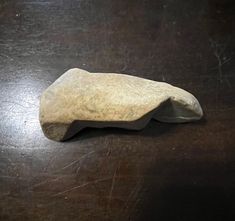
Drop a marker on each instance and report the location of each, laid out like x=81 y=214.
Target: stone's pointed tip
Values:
x=196 y=107
x=200 y=112
x=111 y=100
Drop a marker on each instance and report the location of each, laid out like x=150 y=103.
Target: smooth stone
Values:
x=80 y=99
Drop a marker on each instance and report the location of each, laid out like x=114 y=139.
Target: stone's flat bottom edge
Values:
x=62 y=131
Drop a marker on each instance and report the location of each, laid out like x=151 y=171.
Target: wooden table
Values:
x=167 y=172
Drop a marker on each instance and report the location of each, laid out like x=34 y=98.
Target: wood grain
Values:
x=164 y=172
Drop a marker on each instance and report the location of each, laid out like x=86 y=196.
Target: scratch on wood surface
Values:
x=77 y=170
x=19 y=104
x=37 y=3
x=132 y=196
x=218 y=50
x=134 y=205
x=82 y=185
x=46 y=181
x=76 y=161
x=51 y=159
x=112 y=187
x=66 y=166
x=12 y=177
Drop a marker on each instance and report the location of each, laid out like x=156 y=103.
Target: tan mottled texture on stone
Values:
x=80 y=99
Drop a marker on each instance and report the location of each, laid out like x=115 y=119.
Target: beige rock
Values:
x=80 y=99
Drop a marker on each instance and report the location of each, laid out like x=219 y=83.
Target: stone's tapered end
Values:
x=80 y=99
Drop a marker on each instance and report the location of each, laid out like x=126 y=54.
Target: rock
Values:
x=80 y=99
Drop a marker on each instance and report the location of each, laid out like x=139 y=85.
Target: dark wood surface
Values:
x=175 y=172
